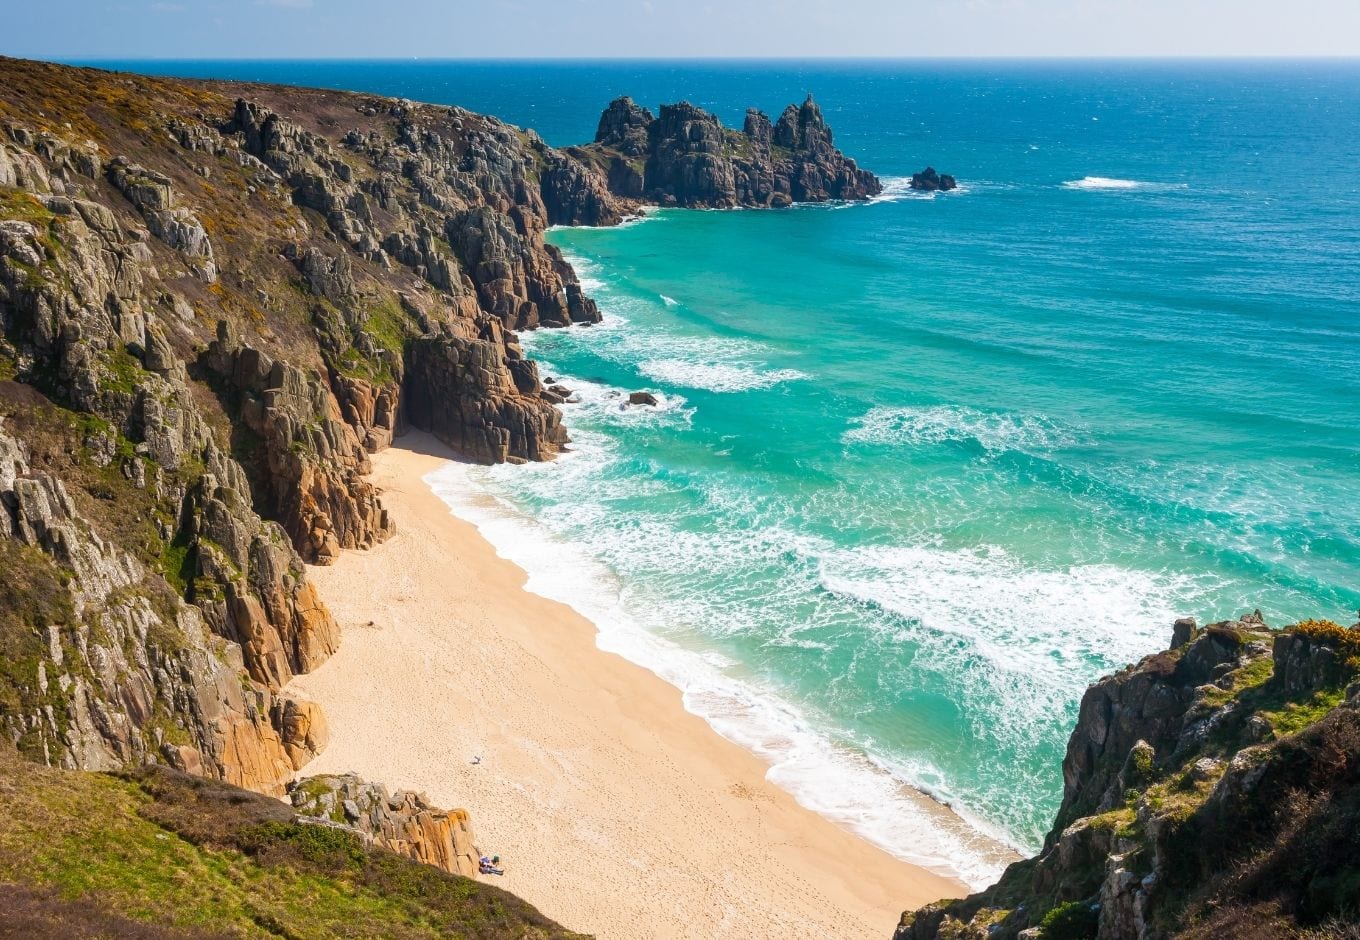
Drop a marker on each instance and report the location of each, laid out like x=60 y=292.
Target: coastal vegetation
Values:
x=1212 y=790
x=217 y=300
x=155 y=853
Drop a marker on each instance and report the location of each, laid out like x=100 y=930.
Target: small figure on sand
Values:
x=490 y=866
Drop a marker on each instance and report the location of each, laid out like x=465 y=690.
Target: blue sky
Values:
x=657 y=28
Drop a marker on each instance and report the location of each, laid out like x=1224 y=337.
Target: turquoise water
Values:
x=924 y=468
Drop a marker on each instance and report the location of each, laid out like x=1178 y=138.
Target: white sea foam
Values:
x=644 y=214
x=841 y=783
x=609 y=405
x=662 y=353
x=587 y=272
x=895 y=188
x=598 y=403
x=715 y=376
x=1018 y=618
x=1015 y=644
x=898 y=188
x=670 y=301
x=1097 y=183
x=936 y=424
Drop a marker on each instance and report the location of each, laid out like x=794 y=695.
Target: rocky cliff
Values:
x=1212 y=790
x=215 y=302
x=405 y=822
x=685 y=157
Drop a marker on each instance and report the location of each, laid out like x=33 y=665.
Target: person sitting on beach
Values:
x=490 y=866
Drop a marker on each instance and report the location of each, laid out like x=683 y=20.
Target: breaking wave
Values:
x=1110 y=184
x=937 y=424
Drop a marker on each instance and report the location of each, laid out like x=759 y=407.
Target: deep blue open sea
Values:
x=926 y=467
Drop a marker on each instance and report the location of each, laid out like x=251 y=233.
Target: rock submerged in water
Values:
x=930 y=181
x=642 y=398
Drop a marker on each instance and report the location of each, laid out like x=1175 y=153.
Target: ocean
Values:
x=923 y=468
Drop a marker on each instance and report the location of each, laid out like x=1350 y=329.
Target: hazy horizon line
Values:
x=1150 y=57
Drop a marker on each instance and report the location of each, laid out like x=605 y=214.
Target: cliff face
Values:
x=1212 y=790
x=686 y=157
x=215 y=302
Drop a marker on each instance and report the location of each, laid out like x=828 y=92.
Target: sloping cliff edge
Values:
x=1211 y=790
x=216 y=301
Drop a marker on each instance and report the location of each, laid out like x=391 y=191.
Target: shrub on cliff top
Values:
x=1075 y=920
x=1346 y=641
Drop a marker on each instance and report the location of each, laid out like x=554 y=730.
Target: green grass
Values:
x=1251 y=676
x=176 y=565
x=388 y=324
x=1292 y=717
x=125 y=373
x=190 y=854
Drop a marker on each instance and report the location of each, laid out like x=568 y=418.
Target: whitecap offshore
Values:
x=1106 y=183
x=994 y=431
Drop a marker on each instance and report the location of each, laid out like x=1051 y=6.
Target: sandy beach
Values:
x=616 y=812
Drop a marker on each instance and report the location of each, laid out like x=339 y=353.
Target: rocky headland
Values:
x=217 y=300
x=1210 y=791
x=685 y=157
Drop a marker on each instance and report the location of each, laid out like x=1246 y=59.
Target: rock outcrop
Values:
x=154 y=196
x=103 y=668
x=1211 y=790
x=215 y=302
x=929 y=181
x=685 y=157
x=403 y=822
x=489 y=407
x=314 y=463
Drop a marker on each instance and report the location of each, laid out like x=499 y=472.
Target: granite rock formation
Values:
x=403 y=822
x=104 y=667
x=930 y=181
x=1212 y=790
x=685 y=157
x=216 y=301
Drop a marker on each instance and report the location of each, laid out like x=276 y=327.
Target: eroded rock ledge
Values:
x=404 y=822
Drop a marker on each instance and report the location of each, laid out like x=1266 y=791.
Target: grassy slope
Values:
x=157 y=853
